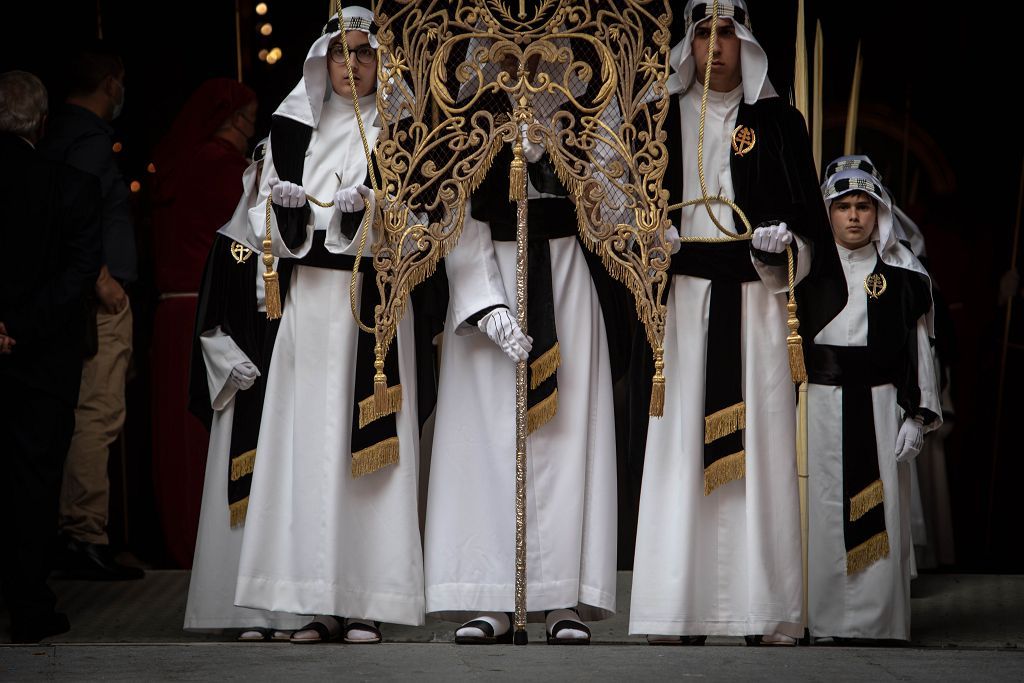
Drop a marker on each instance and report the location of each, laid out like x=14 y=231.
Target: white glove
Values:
x=286 y=194
x=672 y=235
x=772 y=238
x=351 y=199
x=531 y=151
x=243 y=375
x=504 y=331
x=910 y=440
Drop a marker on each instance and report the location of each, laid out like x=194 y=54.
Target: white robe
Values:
x=318 y=541
x=875 y=602
x=211 y=588
x=727 y=563
x=571 y=471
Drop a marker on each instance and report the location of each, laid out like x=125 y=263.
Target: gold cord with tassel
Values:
x=270 y=279
x=794 y=342
x=657 y=408
x=517 y=173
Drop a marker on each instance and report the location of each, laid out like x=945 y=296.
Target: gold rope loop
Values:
x=369 y=164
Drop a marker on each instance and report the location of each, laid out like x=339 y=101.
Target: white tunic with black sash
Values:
x=571 y=476
x=319 y=540
x=718 y=543
x=856 y=588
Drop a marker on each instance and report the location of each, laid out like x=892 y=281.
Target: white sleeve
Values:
x=776 y=278
x=258 y=217
x=927 y=379
x=221 y=354
x=474 y=281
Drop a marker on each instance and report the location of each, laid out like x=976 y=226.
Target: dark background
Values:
x=938 y=90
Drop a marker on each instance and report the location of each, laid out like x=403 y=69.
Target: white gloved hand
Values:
x=531 y=151
x=772 y=239
x=351 y=199
x=504 y=331
x=243 y=375
x=286 y=194
x=672 y=235
x=910 y=440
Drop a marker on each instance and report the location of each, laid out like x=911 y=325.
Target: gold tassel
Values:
x=867 y=553
x=542 y=413
x=795 y=344
x=238 y=511
x=517 y=174
x=725 y=422
x=273 y=292
x=370 y=409
x=657 y=408
x=729 y=468
x=242 y=465
x=861 y=503
x=270 y=280
x=545 y=366
x=375 y=457
x=380 y=380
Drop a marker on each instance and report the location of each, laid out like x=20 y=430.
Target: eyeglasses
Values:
x=365 y=54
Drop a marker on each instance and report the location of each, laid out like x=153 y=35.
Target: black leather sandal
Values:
x=564 y=624
x=488 y=638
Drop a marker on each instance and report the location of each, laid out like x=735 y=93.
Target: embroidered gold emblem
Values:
x=875 y=284
x=743 y=140
x=240 y=252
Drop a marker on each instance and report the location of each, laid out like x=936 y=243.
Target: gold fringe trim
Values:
x=375 y=457
x=867 y=553
x=545 y=366
x=238 y=512
x=241 y=465
x=729 y=468
x=725 y=422
x=541 y=414
x=370 y=410
x=862 y=502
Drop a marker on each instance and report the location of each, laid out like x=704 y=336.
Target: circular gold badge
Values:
x=743 y=140
x=875 y=284
x=240 y=252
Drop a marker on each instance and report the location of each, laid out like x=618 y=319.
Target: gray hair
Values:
x=23 y=103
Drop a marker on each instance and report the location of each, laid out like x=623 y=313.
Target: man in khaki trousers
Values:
x=80 y=134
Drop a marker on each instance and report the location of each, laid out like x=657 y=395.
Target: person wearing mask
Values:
x=80 y=134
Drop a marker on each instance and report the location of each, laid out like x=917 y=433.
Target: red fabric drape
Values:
x=198 y=183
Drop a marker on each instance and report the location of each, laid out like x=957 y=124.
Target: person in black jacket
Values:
x=50 y=235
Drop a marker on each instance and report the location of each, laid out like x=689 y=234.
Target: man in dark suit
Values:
x=49 y=235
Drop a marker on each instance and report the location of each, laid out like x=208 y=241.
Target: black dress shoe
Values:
x=94 y=562
x=35 y=629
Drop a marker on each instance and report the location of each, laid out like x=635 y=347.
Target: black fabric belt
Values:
x=724 y=262
x=852 y=368
x=837 y=366
x=319 y=257
x=548 y=218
